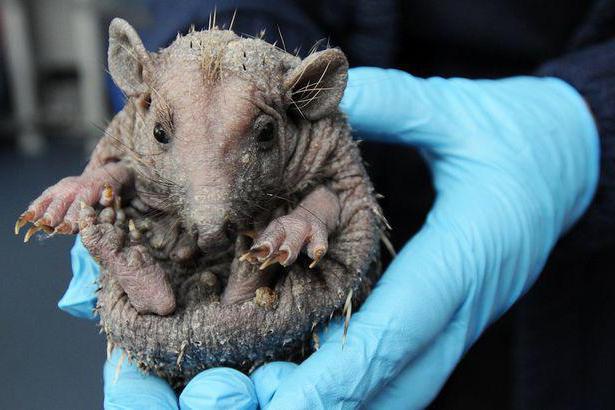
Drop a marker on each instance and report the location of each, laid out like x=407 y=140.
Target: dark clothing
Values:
x=554 y=348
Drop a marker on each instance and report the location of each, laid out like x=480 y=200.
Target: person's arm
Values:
x=591 y=71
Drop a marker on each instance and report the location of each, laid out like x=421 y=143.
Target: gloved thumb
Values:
x=126 y=387
x=391 y=106
x=219 y=388
x=268 y=377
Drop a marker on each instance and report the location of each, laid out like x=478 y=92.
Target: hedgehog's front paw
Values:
x=138 y=273
x=285 y=237
x=56 y=210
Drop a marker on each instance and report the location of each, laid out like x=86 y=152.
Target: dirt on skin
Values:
x=226 y=204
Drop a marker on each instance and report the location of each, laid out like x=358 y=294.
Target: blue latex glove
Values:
x=514 y=163
x=126 y=387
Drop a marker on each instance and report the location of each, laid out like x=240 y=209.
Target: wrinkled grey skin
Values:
x=226 y=204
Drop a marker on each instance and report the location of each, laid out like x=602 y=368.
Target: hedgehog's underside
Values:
x=276 y=324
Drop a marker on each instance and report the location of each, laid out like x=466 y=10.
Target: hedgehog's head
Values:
x=218 y=118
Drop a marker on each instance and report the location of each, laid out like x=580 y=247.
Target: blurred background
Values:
x=55 y=97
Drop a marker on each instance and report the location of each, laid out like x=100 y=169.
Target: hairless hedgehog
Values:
x=227 y=204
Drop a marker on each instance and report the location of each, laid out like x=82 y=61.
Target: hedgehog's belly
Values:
x=203 y=333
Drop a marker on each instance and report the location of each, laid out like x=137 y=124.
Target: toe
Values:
x=107 y=216
x=317 y=244
x=100 y=238
x=297 y=232
x=269 y=241
x=55 y=212
x=54 y=201
x=87 y=216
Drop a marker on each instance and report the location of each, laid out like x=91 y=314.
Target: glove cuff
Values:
x=585 y=147
x=592 y=73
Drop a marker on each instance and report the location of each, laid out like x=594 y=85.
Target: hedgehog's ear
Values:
x=129 y=62
x=317 y=83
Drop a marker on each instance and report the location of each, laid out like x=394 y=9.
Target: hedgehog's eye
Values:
x=266 y=135
x=160 y=134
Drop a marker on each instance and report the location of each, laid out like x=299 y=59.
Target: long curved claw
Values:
x=33 y=229
x=23 y=220
x=268 y=262
x=256 y=254
x=279 y=257
x=318 y=254
x=19 y=224
x=248 y=256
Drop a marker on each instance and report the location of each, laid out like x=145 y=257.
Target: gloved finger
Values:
x=393 y=106
x=126 y=387
x=412 y=303
x=420 y=381
x=80 y=297
x=268 y=377
x=219 y=388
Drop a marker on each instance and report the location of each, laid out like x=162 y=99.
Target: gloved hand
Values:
x=514 y=164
